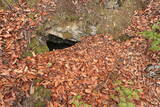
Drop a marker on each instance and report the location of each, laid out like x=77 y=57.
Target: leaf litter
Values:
x=88 y=69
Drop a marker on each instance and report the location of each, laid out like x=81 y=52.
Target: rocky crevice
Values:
x=68 y=24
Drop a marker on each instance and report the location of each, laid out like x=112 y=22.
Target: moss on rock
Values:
x=35 y=47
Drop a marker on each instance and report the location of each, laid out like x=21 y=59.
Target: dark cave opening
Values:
x=54 y=42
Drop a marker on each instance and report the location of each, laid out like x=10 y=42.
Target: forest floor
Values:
x=99 y=69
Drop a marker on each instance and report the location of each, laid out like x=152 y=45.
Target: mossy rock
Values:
x=35 y=47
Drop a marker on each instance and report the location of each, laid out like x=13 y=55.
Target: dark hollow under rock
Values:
x=54 y=42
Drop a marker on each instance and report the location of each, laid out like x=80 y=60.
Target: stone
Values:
x=69 y=24
x=112 y=4
x=72 y=24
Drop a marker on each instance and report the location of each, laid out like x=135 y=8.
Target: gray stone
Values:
x=112 y=4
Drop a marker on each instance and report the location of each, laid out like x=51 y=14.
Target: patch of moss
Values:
x=35 y=47
x=154 y=35
x=35 y=81
x=42 y=93
x=78 y=103
x=38 y=98
x=126 y=96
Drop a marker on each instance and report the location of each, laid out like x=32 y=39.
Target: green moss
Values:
x=78 y=103
x=41 y=49
x=35 y=47
x=25 y=54
x=49 y=64
x=41 y=92
x=125 y=95
x=40 y=96
x=154 y=35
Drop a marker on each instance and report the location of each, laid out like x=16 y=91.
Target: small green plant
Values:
x=49 y=64
x=125 y=95
x=76 y=101
x=154 y=35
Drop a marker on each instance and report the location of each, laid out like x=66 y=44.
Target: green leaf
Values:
x=156 y=26
x=49 y=64
x=117 y=89
x=155 y=45
x=140 y=90
x=81 y=103
x=78 y=97
x=129 y=97
x=76 y=102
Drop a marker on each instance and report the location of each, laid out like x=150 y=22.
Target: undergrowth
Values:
x=154 y=35
x=125 y=96
x=78 y=102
